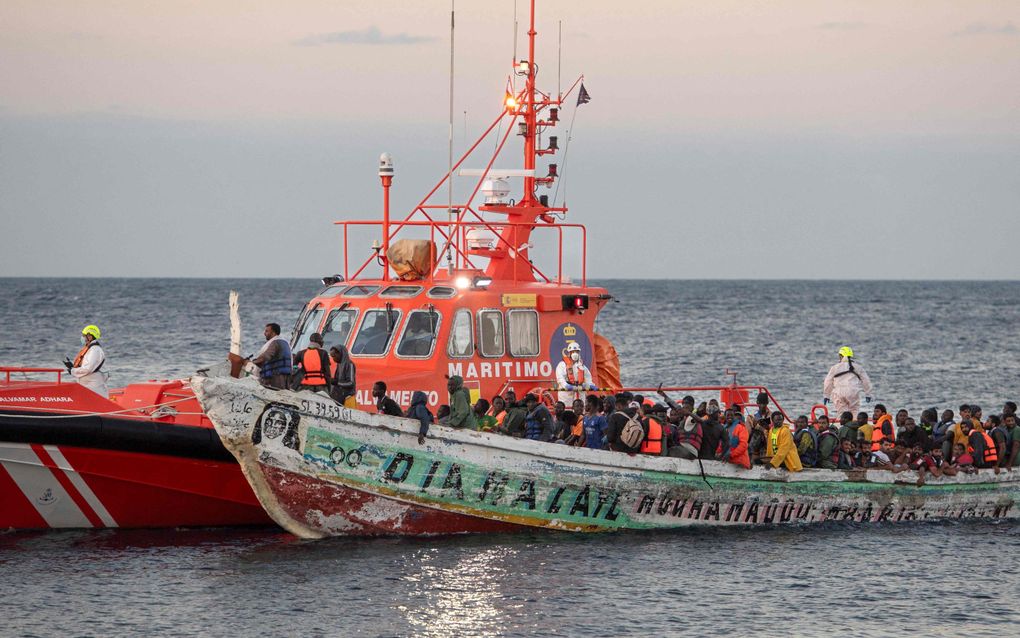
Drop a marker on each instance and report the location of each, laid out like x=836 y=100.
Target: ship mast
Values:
x=525 y=108
x=530 y=116
x=529 y=111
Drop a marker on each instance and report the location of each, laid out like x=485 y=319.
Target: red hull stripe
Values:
x=66 y=483
x=15 y=509
x=78 y=479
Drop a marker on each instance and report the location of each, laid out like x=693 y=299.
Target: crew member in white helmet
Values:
x=87 y=367
x=572 y=376
x=845 y=383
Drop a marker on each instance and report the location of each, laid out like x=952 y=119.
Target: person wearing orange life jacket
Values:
x=845 y=382
x=737 y=431
x=88 y=364
x=572 y=376
x=883 y=428
x=981 y=446
x=655 y=435
x=312 y=367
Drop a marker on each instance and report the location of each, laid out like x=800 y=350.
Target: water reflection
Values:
x=464 y=598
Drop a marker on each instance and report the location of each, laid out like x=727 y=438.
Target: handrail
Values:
x=440 y=226
x=7 y=370
x=677 y=388
x=717 y=388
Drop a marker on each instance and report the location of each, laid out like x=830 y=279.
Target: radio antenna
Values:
x=449 y=174
x=559 y=61
x=515 y=32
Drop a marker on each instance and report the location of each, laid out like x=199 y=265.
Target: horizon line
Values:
x=572 y=282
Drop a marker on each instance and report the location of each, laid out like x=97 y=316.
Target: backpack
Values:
x=632 y=433
x=810 y=456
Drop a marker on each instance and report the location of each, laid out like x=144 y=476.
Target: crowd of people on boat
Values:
x=934 y=444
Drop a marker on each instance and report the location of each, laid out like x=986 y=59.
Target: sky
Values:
x=833 y=140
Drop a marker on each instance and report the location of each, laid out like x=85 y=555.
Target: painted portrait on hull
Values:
x=277 y=427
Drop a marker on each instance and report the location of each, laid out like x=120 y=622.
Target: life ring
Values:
x=544 y=395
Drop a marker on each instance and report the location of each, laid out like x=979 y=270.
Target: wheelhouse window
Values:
x=310 y=325
x=360 y=291
x=419 y=338
x=490 y=333
x=376 y=331
x=442 y=292
x=523 y=329
x=338 y=327
x=462 y=339
x=334 y=290
x=401 y=292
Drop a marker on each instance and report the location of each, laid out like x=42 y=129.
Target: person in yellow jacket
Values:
x=780 y=445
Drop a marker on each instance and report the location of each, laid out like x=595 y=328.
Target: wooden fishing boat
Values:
x=322 y=469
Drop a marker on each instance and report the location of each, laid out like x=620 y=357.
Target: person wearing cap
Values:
x=88 y=364
x=312 y=367
x=845 y=383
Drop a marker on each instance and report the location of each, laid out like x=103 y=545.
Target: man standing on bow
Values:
x=274 y=359
x=88 y=364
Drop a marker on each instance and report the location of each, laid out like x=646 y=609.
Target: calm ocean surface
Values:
x=924 y=344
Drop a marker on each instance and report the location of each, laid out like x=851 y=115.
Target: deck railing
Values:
x=454 y=235
x=7 y=371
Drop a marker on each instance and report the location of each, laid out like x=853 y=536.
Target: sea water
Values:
x=924 y=344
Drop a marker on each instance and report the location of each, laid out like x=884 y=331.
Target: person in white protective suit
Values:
x=845 y=383
x=572 y=376
x=87 y=366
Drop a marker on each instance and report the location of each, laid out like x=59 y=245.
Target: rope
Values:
x=81 y=414
x=703 y=477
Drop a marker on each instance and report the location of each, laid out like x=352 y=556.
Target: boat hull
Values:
x=63 y=486
x=146 y=457
x=339 y=471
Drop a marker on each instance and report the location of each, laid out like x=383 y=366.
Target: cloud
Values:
x=842 y=26
x=371 y=35
x=981 y=28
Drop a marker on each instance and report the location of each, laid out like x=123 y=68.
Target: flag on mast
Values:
x=582 y=96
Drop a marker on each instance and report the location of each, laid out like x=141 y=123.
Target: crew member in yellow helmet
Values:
x=87 y=367
x=845 y=383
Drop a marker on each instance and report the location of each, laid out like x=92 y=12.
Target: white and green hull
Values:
x=348 y=472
